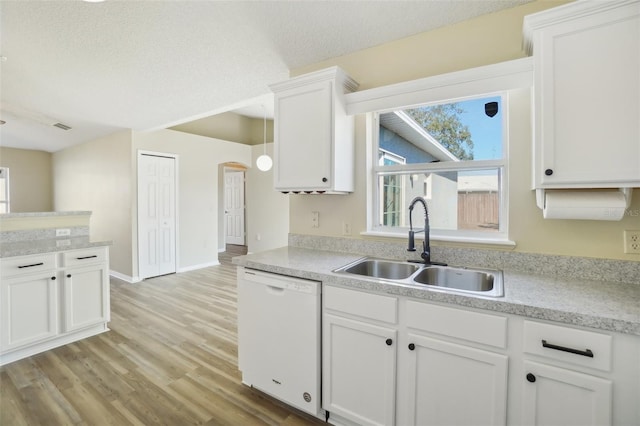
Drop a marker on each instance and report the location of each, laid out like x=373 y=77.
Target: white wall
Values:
x=97 y=176
x=267 y=209
x=198 y=185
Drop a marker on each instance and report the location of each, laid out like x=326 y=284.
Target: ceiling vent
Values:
x=62 y=126
x=22 y=114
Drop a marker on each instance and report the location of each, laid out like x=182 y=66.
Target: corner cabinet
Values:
x=314 y=136
x=586 y=94
x=52 y=299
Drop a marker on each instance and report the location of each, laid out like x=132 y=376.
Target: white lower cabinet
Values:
x=360 y=372
x=29 y=309
x=575 y=376
x=52 y=299
x=86 y=296
x=448 y=383
x=559 y=396
x=382 y=367
x=395 y=360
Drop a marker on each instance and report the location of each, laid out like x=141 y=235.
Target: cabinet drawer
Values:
x=362 y=304
x=467 y=325
x=23 y=265
x=570 y=345
x=84 y=256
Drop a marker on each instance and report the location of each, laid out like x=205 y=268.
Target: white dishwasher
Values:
x=279 y=337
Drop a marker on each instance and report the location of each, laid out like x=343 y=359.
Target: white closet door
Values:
x=156 y=215
x=234 y=207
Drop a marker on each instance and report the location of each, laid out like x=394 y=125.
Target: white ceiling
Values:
x=146 y=65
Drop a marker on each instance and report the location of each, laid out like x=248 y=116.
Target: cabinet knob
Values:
x=324 y=179
x=53 y=278
x=389 y=342
x=548 y=172
x=68 y=275
x=531 y=378
x=411 y=346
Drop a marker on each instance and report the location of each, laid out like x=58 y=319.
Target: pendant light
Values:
x=264 y=162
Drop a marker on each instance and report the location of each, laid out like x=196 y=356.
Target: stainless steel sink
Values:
x=377 y=268
x=461 y=279
x=482 y=282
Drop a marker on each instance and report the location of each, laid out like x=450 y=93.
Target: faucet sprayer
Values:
x=426 y=249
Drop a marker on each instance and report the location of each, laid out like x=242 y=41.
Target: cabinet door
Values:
x=303 y=137
x=451 y=384
x=359 y=369
x=557 y=396
x=86 y=296
x=587 y=103
x=29 y=309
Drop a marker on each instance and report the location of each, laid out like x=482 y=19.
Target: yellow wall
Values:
x=29 y=179
x=229 y=127
x=485 y=40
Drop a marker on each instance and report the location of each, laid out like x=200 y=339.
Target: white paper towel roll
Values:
x=594 y=205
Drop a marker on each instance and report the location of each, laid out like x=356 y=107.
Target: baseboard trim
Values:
x=123 y=277
x=200 y=266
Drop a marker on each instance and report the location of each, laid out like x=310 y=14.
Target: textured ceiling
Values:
x=144 y=65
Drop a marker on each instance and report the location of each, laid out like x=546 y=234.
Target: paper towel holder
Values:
x=541 y=191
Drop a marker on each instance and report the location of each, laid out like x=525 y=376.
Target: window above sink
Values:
x=446 y=139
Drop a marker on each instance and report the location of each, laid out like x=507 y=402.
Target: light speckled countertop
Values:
x=45 y=214
x=602 y=305
x=23 y=248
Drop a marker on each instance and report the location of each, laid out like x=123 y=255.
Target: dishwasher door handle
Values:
x=275 y=290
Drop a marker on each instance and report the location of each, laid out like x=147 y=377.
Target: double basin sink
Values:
x=481 y=282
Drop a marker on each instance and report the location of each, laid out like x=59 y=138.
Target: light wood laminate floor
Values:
x=170 y=358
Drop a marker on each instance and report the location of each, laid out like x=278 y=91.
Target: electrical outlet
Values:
x=346 y=228
x=632 y=242
x=315 y=219
x=63 y=232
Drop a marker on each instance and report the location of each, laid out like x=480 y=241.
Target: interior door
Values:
x=234 y=207
x=156 y=215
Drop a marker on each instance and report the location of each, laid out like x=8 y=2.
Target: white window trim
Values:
x=469 y=83
x=6 y=196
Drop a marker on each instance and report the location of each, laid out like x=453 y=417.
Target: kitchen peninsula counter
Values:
x=28 y=247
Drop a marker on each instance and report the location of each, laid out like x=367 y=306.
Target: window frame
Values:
x=5 y=198
x=501 y=165
x=494 y=79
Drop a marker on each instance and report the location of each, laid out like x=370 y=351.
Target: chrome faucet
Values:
x=426 y=249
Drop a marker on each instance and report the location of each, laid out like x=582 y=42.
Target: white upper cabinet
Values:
x=314 y=141
x=587 y=94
